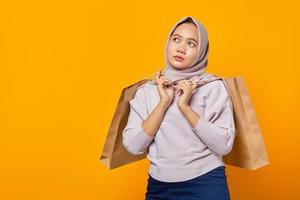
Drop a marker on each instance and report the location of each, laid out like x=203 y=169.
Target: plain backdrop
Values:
x=64 y=63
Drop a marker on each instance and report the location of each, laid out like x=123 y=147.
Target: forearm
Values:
x=190 y=115
x=152 y=123
x=219 y=140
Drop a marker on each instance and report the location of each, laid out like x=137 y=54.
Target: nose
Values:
x=181 y=48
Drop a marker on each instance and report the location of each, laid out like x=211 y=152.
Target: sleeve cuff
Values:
x=217 y=139
x=143 y=136
x=140 y=142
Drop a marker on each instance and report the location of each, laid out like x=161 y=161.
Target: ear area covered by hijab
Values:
x=197 y=69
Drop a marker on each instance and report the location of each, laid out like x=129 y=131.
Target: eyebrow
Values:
x=188 y=38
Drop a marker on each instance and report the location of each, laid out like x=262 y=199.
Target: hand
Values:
x=185 y=89
x=165 y=89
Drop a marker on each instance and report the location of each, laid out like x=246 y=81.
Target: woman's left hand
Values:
x=185 y=89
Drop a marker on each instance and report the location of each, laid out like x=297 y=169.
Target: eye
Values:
x=193 y=44
x=175 y=38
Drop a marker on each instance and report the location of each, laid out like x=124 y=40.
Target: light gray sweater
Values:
x=179 y=152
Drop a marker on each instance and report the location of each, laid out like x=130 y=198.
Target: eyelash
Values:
x=191 y=42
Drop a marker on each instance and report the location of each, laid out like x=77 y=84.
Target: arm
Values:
x=216 y=128
x=141 y=129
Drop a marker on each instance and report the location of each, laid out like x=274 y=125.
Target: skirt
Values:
x=209 y=186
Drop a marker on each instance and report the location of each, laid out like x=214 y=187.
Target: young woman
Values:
x=187 y=128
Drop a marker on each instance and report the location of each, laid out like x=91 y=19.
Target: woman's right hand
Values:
x=165 y=89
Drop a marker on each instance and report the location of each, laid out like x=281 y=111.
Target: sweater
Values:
x=179 y=152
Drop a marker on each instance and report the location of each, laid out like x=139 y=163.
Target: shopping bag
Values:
x=114 y=153
x=248 y=151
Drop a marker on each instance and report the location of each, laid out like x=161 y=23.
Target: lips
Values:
x=179 y=58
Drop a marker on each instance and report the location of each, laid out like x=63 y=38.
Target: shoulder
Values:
x=139 y=93
x=215 y=88
x=144 y=89
x=147 y=87
x=215 y=84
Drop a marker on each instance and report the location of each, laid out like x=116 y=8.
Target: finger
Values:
x=167 y=84
x=194 y=82
x=160 y=72
x=161 y=78
x=179 y=92
x=182 y=89
x=167 y=80
x=189 y=82
x=160 y=81
x=185 y=87
x=157 y=80
x=194 y=85
x=164 y=82
x=158 y=75
x=186 y=84
x=183 y=83
x=179 y=82
x=179 y=89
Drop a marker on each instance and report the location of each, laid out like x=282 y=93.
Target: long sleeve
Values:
x=216 y=128
x=135 y=139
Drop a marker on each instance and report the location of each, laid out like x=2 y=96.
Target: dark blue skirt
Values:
x=209 y=186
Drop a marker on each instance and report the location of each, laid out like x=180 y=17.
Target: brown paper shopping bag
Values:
x=114 y=153
x=248 y=149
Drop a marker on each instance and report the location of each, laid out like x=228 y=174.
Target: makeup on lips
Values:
x=178 y=58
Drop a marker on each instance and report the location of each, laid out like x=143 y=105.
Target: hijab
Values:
x=196 y=71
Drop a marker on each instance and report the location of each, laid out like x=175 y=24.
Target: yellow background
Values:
x=64 y=63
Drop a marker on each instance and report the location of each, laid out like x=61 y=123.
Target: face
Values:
x=184 y=43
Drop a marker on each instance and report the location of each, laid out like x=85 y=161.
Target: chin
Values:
x=179 y=66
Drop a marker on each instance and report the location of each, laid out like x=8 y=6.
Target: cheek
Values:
x=192 y=54
x=171 y=48
x=170 y=51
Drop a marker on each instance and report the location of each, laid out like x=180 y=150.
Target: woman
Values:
x=187 y=128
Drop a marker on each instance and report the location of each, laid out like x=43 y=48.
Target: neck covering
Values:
x=196 y=71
